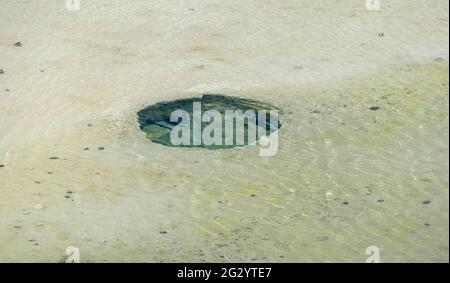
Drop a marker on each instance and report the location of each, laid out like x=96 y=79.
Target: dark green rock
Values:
x=155 y=119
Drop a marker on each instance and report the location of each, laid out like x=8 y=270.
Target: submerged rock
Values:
x=155 y=120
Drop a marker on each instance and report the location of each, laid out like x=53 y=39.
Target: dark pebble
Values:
x=374 y=108
x=37 y=182
x=380 y=200
x=427 y=224
x=253 y=195
x=54 y=158
x=426 y=202
x=67 y=196
x=162 y=232
x=1 y=166
x=50 y=173
x=7 y=90
x=315 y=112
x=2 y=72
x=323 y=238
x=18 y=44
x=86 y=148
x=101 y=148
x=89 y=125
x=69 y=192
x=345 y=203
x=381 y=34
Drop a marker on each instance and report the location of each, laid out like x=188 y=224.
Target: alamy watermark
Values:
x=374 y=254
x=73 y=255
x=239 y=124
x=73 y=5
x=373 y=5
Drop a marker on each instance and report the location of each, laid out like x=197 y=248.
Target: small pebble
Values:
x=426 y=202
x=427 y=224
x=162 y=232
x=381 y=34
x=18 y=44
x=86 y=148
x=2 y=72
x=345 y=203
x=18 y=227
x=253 y=195
x=101 y=148
x=1 y=165
x=38 y=207
x=374 y=108
x=54 y=158
x=7 y=90
x=323 y=238
x=69 y=192
x=380 y=200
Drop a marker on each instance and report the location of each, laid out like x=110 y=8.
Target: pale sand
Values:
x=102 y=64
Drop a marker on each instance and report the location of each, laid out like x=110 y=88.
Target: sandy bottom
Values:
x=364 y=147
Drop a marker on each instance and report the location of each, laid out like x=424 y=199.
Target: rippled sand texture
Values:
x=363 y=157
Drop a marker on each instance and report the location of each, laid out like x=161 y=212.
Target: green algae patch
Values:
x=211 y=113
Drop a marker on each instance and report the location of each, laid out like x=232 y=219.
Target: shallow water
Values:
x=363 y=153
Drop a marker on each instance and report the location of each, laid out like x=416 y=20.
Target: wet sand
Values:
x=363 y=157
